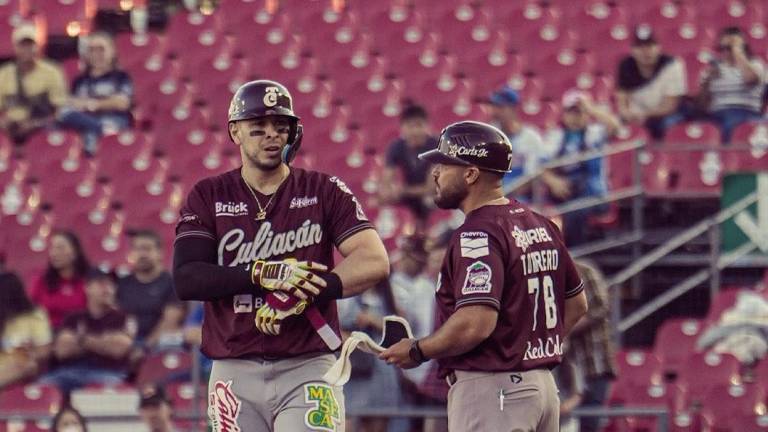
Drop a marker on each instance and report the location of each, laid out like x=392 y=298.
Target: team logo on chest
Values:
x=267 y=243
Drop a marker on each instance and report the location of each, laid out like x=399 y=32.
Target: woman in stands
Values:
x=25 y=333
x=61 y=288
x=68 y=419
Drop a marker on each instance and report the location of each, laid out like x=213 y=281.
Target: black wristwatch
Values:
x=416 y=354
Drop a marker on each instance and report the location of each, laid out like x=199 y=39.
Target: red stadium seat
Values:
x=675 y=341
x=717 y=368
x=688 y=38
x=60 y=15
x=638 y=366
x=161 y=366
x=692 y=133
x=728 y=407
x=624 y=393
x=31 y=399
x=19 y=425
x=682 y=173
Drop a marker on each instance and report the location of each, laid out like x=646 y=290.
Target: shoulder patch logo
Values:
x=474 y=244
x=478 y=279
x=325 y=415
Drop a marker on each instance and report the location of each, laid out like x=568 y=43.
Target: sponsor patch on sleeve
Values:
x=474 y=247
x=478 y=279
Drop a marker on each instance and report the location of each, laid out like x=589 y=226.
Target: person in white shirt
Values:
x=732 y=87
x=650 y=85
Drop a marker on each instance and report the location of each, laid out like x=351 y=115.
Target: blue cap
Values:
x=505 y=96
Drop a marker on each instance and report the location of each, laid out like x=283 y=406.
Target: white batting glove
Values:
x=278 y=306
x=297 y=278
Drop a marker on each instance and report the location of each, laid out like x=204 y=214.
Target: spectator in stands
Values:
x=25 y=333
x=570 y=383
x=585 y=127
x=93 y=346
x=650 y=85
x=193 y=336
x=31 y=89
x=68 y=419
x=590 y=347
x=402 y=156
x=155 y=408
x=103 y=92
x=148 y=295
x=60 y=290
x=414 y=294
x=365 y=313
x=732 y=87
x=529 y=150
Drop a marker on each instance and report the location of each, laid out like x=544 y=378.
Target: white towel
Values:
x=395 y=329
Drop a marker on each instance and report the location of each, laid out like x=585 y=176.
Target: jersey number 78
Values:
x=550 y=308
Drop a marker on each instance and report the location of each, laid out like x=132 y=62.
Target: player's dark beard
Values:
x=450 y=197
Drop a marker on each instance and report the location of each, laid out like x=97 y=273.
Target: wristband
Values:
x=333 y=290
x=416 y=354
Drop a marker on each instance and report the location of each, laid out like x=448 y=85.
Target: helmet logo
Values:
x=455 y=150
x=270 y=97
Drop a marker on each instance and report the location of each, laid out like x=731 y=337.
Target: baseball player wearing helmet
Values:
x=256 y=245
x=507 y=294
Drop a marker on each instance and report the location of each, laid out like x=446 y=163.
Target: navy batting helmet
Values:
x=472 y=143
x=262 y=98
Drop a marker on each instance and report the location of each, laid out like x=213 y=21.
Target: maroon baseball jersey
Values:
x=310 y=213
x=514 y=260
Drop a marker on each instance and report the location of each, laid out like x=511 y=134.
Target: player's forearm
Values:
x=463 y=331
x=365 y=265
x=197 y=277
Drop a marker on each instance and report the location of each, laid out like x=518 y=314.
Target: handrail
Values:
x=683 y=287
x=572 y=159
x=682 y=238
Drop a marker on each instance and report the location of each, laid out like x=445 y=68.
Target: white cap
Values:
x=24 y=32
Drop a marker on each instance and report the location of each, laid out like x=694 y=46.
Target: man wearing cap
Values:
x=507 y=294
x=155 y=408
x=528 y=150
x=92 y=346
x=31 y=89
x=585 y=127
x=651 y=85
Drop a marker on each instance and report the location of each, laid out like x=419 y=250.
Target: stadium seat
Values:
x=63 y=17
x=675 y=341
x=638 y=366
x=682 y=173
x=693 y=133
x=717 y=368
x=31 y=399
x=688 y=38
x=624 y=393
x=161 y=367
x=728 y=407
x=19 y=425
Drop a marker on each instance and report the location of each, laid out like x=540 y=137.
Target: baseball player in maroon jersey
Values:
x=256 y=245
x=507 y=294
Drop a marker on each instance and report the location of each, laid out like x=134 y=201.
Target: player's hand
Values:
x=297 y=278
x=278 y=306
x=398 y=355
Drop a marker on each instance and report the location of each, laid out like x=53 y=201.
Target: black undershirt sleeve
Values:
x=196 y=276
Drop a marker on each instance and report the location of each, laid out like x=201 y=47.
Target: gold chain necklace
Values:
x=262 y=214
